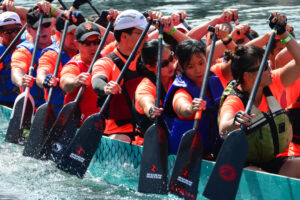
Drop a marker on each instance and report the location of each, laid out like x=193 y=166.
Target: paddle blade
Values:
x=185 y=176
x=224 y=180
x=77 y=157
x=43 y=121
x=154 y=162
x=14 y=134
x=64 y=124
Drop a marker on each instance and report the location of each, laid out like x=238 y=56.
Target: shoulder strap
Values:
x=116 y=59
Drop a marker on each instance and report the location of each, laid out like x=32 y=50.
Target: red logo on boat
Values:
x=153 y=168
x=227 y=173
x=79 y=151
x=186 y=173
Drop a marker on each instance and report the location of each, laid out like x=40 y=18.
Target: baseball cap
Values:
x=85 y=30
x=130 y=19
x=60 y=23
x=8 y=18
x=32 y=17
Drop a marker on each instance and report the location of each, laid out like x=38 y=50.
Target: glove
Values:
x=78 y=3
x=46 y=80
x=281 y=28
x=80 y=18
x=102 y=20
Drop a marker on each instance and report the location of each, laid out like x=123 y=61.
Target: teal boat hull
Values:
x=118 y=163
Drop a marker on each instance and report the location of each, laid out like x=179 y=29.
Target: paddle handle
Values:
x=15 y=40
x=260 y=71
x=129 y=60
x=93 y=7
x=185 y=24
x=159 y=64
x=249 y=36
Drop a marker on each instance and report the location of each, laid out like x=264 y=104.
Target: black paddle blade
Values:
x=77 y=157
x=64 y=124
x=14 y=133
x=185 y=176
x=154 y=162
x=43 y=121
x=224 y=180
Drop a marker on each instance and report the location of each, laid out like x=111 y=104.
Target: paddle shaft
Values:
x=63 y=4
x=13 y=42
x=93 y=7
x=82 y=88
x=31 y=68
x=206 y=74
x=159 y=65
x=129 y=60
x=260 y=72
x=185 y=24
x=62 y=43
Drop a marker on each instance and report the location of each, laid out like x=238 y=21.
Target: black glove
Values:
x=102 y=20
x=78 y=3
x=46 y=80
x=281 y=27
x=80 y=18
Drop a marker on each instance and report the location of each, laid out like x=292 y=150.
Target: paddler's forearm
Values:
x=260 y=41
x=16 y=76
x=98 y=84
x=199 y=31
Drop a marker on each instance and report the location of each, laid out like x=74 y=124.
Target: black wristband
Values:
x=150 y=112
x=228 y=41
x=46 y=80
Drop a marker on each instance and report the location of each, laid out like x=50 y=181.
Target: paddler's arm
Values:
x=227 y=16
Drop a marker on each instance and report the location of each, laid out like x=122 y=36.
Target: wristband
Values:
x=15 y=9
x=172 y=31
x=53 y=11
x=46 y=80
x=287 y=39
x=228 y=41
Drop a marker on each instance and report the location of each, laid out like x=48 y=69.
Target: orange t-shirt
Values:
x=233 y=104
x=145 y=88
x=108 y=49
x=292 y=94
x=217 y=69
x=107 y=68
x=21 y=58
x=47 y=62
x=88 y=103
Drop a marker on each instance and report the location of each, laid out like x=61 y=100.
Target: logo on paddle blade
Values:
x=153 y=168
x=80 y=151
x=227 y=173
x=186 y=173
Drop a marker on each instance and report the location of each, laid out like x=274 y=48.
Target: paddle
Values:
x=224 y=180
x=65 y=126
x=185 y=175
x=154 y=163
x=93 y=7
x=79 y=153
x=45 y=114
x=23 y=108
x=13 y=42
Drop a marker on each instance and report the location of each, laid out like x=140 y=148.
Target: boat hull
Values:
x=118 y=163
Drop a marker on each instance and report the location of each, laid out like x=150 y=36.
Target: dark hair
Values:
x=32 y=16
x=118 y=33
x=242 y=59
x=186 y=49
x=148 y=56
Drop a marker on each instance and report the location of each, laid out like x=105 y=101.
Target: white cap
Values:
x=8 y=18
x=129 y=19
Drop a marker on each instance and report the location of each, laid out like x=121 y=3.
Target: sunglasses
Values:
x=255 y=69
x=165 y=63
x=89 y=43
x=45 y=25
x=11 y=31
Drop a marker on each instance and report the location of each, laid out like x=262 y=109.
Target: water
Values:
x=26 y=178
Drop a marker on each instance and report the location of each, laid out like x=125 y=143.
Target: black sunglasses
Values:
x=88 y=43
x=165 y=63
x=11 y=31
x=255 y=69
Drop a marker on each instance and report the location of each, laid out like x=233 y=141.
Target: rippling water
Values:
x=26 y=178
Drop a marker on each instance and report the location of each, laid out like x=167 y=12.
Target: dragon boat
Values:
x=118 y=163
